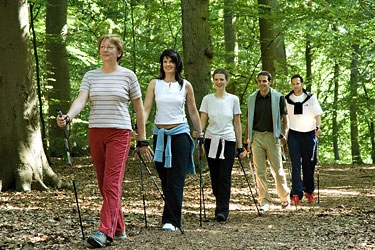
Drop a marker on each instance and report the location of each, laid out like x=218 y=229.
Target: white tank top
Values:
x=170 y=102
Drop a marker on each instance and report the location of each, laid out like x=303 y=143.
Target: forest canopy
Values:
x=330 y=43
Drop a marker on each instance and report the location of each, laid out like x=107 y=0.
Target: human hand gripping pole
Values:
x=60 y=114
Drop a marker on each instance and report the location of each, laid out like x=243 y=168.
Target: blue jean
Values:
x=302 y=150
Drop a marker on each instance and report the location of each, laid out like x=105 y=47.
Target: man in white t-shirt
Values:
x=304 y=113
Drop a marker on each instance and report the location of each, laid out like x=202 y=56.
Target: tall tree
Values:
x=57 y=69
x=272 y=44
x=230 y=40
x=354 y=73
x=335 y=128
x=196 y=45
x=23 y=164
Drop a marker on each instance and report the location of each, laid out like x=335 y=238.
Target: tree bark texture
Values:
x=196 y=43
x=272 y=44
x=354 y=73
x=23 y=163
x=57 y=70
x=231 y=52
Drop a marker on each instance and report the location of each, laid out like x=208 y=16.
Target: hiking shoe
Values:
x=168 y=227
x=120 y=236
x=264 y=207
x=285 y=204
x=295 y=200
x=97 y=239
x=310 y=197
x=220 y=217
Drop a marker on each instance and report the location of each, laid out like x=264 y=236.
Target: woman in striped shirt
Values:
x=110 y=89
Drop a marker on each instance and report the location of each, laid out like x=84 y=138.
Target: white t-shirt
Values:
x=304 y=122
x=220 y=113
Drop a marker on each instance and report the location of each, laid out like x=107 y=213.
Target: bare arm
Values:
x=192 y=108
x=78 y=104
x=204 y=118
x=238 y=130
x=285 y=124
x=141 y=123
x=149 y=99
x=318 y=120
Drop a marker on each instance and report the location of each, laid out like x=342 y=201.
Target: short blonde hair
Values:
x=116 y=40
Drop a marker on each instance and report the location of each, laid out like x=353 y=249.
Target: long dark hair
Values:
x=176 y=58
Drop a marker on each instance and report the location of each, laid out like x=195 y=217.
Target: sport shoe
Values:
x=220 y=217
x=264 y=207
x=285 y=204
x=168 y=227
x=97 y=239
x=310 y=197
x=295 y=200
x=120 y=236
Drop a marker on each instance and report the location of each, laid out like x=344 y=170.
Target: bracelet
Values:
x=317 y=128
x=281 y=136
x=142 y=144
x=201 y=135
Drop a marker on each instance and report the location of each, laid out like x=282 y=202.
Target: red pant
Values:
x=109 y=150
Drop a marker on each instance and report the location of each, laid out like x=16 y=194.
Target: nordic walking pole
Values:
x=248 y=183
x=317 y=158
x=72 y=173
x=253 y=176
x=158 y=188
x=201 y=190
x=318 y=185
x=143 y=194
x=142 y=183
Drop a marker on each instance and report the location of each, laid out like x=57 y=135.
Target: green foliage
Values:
x=148 y=27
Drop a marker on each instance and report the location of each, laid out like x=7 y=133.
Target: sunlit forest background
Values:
x=330 y=43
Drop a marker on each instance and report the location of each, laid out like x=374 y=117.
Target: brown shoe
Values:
x=310 y=197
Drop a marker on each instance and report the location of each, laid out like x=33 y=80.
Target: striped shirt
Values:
x=109 y=96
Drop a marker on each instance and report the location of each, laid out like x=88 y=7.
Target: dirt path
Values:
x=344 y=218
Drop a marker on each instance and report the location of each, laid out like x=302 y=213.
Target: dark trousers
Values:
x=221 y=173
x=302 y=150
x=173 y=179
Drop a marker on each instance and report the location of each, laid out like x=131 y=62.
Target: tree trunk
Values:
x=23 y=163
x=308 y=58
x=230 y=42
x=57 y=70
x=196 y=45
x=335 y=128
x=356 y=151
x=271 y=40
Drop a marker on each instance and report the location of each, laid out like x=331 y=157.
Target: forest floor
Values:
x=344 y=218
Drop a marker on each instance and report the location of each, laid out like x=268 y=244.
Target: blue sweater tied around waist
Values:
x=167 y=151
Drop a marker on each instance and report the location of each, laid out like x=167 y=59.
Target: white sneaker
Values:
x=168 y=227
x=264 y=207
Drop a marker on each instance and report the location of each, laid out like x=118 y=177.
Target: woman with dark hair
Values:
x=110 y=89
x=173 y=144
